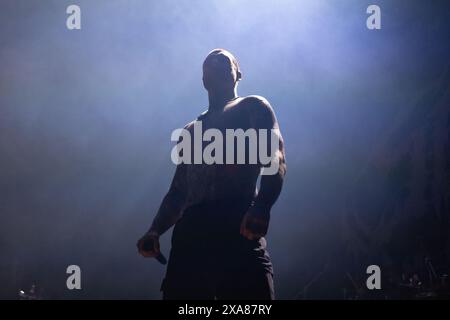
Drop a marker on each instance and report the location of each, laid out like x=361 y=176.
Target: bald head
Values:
x=220 y=71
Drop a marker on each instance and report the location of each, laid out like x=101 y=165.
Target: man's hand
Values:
x=148 y=245
x=255 y=223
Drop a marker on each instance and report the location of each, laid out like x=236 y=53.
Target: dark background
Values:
x=86 y=118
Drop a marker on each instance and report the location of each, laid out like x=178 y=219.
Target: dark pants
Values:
x=209 y=259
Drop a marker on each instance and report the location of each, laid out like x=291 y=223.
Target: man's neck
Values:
x=217 y=101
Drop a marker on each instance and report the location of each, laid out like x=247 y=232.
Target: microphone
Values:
x=161 y=259
x=148 y=245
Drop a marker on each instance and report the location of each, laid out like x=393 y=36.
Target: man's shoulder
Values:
x=257 y=105
x=190 y=125
x=255 y=100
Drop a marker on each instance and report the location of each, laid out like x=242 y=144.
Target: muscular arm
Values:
x=263 y=117
x=172 y=205
x=168 y=214
x=255 y=223
x=270 y=186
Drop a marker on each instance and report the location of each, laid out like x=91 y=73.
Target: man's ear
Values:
x=238 y=76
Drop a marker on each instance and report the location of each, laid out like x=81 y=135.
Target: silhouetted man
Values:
x=218 y=246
